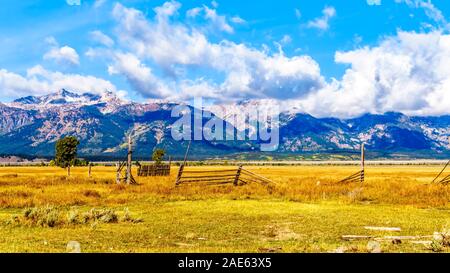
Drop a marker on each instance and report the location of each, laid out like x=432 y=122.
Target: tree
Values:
x=66 y=152
x=158 y=155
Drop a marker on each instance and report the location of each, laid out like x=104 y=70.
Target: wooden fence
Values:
x=357 y=177
x=445 y=180
x=237 y=176
x=123 y=174
x=154 y=170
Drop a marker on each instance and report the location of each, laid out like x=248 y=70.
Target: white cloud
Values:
x=140 y=76
x=168 y=9
x=39 y=81
x=407 y=73
x=247 y=72
x=99 y=3
x=237 y=20
x=219 y=21
x=50 y=40
x=73 y=2
x=322 y=23
x=374 y=2
x=63 y=55
x=102 y=38
x=194 y=12
x=431 y=11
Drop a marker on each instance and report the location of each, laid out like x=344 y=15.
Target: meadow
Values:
x=41 y=210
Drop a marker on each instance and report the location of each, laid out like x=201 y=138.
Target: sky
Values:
x=327 y=58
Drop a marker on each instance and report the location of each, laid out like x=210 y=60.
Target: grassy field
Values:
x=41 y=211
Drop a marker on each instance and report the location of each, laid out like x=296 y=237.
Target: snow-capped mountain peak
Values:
x=64 y=97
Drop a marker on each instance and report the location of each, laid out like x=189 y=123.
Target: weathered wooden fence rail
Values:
x=445 y=180
x=237 y=176
x=357 y=177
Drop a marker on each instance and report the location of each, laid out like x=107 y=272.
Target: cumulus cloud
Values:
x=63 y=55
x=247 y=72
x=406 y=73
x=322 y=23
x=194 y=12
x=166 y=10
x=39 y=81
x=139 y=75
x=219 y=21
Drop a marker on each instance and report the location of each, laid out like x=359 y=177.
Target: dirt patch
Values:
x=280 y=232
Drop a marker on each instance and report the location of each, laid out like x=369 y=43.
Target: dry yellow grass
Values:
x=406 y=185
x=307 y=210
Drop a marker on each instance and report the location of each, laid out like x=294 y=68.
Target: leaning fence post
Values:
x=238 y=173
x=180 y=173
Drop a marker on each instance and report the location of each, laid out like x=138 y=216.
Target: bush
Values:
x=73 y=217
x=80 y=162
x=49 y=216
x=102 y=215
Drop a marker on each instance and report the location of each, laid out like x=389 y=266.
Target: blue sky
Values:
x=307 y=53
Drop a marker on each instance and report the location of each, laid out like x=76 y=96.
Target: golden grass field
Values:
x=306 y=212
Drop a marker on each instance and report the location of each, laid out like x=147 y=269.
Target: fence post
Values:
x=129 y=160
x=180 y=173
x=238 y=173
x=89 y=170
x=362 y=162
x=118 y=173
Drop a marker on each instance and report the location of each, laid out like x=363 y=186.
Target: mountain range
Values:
x=31 y=125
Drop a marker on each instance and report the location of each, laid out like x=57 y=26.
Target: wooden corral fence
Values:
x=356 y=177
x=123 y=173
x=445 y=180
x=154 y=170
x=359 y=176
x=237 y=176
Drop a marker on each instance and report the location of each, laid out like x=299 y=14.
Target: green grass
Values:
x=232 y=226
